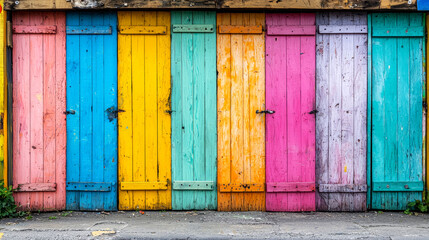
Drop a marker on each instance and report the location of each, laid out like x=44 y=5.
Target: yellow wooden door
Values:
x=3 y=101
x=241 y=130
x=144 y=110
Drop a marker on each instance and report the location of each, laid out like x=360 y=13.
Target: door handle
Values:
x=265 y=111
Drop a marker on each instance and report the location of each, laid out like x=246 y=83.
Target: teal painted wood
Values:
x=91 y=126
x=194 y=122
x=396 y=79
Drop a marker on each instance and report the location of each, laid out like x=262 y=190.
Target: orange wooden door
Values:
x=39 y=122
x=241 y=130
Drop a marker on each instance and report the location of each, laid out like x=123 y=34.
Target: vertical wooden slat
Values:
x=3 y=100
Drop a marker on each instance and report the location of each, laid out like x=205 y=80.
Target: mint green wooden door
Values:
x=396 y=91
x=193 y=117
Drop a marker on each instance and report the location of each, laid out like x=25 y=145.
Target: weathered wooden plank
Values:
x=212 y=4
x=293 y=187
x=37 y=187
x=330 y=29
x=397 y=32
x=34 y=29
x=143 y=30
x=241 y=188
x=139 y=186
x=342 y=188
x=291 y=30
x=195 y=185
x=225 y=29
x=397 y=186
x=89 y=187
x=193 y=28
x=89 y=30
x=3 y=101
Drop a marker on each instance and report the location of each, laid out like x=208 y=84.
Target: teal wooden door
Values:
x=396 y=93
x=193 y=119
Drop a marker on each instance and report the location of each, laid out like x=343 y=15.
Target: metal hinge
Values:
x=69 y=112
x=314 y=111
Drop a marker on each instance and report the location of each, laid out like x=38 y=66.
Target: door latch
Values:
x=169 y=111
x=69 y=112
x=314 y=111
x=112 y=113
x=265 y=111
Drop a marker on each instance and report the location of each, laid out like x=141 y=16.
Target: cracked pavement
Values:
x=216 y=225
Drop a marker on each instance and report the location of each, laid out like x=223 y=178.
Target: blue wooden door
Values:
x=193 y=69
x=91 y=111
x=396 y=112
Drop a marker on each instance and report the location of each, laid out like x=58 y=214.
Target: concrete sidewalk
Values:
x=217 y=225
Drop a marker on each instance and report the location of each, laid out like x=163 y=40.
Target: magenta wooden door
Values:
x=39 y=122
x=290 y=96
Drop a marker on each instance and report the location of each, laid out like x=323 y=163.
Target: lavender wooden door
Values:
x=290 y=96
x=39 y=123
x=341 y=99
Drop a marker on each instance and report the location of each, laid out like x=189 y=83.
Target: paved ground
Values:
x=217 y=225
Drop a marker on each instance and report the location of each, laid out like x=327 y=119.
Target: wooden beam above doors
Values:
x=400 y=5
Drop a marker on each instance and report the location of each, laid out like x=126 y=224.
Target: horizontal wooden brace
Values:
x=226 y=29
x=210 y=4
x=342 y=188
x=291 y=187
x=22 y=29
x=193 y=185
x=143 y=30
x=291 y=30
x=89 y=186
x=350 y=29
x=237 y=187
x=397 y=186
x=37 y=187
x=398 y=32
x=89 y=30
x=144 y=186
x=192 y=28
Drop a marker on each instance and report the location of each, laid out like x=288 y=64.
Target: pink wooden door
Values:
x=39 y=125
x=290 y=94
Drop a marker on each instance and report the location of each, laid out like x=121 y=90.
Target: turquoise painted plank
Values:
x=398 y=31
x=92 y=89
x=194 y=185
x=194 y=109
x=396 y=107
x=397 y=187
x=193 y=28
